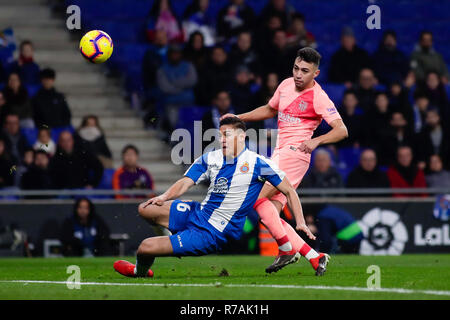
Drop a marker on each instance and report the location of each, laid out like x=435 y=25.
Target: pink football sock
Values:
x=296 y=241
x=270 y=217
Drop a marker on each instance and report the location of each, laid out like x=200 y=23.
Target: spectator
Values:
x=17 y=100
x=243 y=54
x=389 y=63
x=298 y=36
x=210 y=120
x=347 y=62
x=265 y=93
x=367 y=174
x=376 y=121
x=221 y=105
x=195 y=50
x=269 y=26
x=399 y=101
x=366 y=89
x=91 y=135
x=131 y=175
x=154 y=57
x=437 y=177
x=279 y=7
x=241 y=93
x=278 y=56
x=15 y=142
x=214 y=76
x=84 y=233
x=425 y=59
x=435 y=91
x=420 y=108
x=176 y=80
x=353 y=119
x=234 y=18
x=196 y=18
x=38 y=175
x=2 y=107
x=6 y=166
x=405 y=173
x=50 y=108
x=45 y=142
x=162 y=17
x=24 y=166
x=322 y=174
x=433 y=139
x=73 y=167
x=397 y=134
x=25 y=66
x=338 y=231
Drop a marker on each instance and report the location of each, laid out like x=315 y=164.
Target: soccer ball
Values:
x=96 y=46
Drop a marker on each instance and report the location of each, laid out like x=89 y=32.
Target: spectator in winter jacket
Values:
x=37 y=176
x=322 y=174
x=74 y=167
x=131 y=175
x=85 y=233
x=367 y=174
x=405 y=173
x=25 y=66
x=50 y=108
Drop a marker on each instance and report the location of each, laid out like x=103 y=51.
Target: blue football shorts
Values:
x=190 y=234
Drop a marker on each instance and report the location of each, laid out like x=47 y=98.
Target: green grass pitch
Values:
x=229 y=277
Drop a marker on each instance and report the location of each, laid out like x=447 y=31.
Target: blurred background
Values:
x=82 y=144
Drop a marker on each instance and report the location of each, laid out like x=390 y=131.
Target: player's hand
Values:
x=227 y=115
x=308 y=146
x=159 y=201
x=303 y=227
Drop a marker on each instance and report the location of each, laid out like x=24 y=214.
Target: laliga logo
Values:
x=384 y=233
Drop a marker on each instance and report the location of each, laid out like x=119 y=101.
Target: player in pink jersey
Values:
x=300 y=104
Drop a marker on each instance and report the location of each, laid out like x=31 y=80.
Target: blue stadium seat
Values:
x=33 y=89
x=30 y=134
x=106 y=182
x=335 y=91
x=349 y=156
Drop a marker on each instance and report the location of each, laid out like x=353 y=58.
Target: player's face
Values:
x=232 y=140
x=304 y=73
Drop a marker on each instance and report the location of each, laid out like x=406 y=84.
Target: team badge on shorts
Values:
x=245 y=167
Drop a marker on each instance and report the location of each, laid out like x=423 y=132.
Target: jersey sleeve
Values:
x=198 y=171
x=326 y=108
x=275 y=100
x=269 y=171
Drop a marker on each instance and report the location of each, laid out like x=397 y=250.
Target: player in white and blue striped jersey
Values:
x=236 y=177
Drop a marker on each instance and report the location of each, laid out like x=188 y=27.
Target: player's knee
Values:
x=146 y=246
x=147 y=213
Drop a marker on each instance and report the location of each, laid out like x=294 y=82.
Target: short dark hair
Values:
x=41 y=151
x=309 y=55
x=47 y=73
x=25 y=43
x=235 y=122
x=130 y=147
x=424 y=32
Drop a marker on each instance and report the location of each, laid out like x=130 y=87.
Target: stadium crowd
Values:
x=394 y=103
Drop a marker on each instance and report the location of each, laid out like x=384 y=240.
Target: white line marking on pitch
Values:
x=278 y=286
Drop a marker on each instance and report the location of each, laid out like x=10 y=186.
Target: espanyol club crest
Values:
x=302 y=105
x=245 y=167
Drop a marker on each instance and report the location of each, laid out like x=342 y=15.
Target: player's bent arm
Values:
x=337 y=133
x=286 y=188
x=260 y=113
x=174 y=191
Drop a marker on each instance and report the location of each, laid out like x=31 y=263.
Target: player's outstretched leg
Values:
x=269 y=215
x=147 y=251
x=318 y=260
